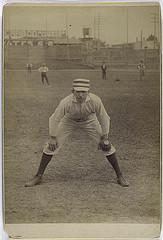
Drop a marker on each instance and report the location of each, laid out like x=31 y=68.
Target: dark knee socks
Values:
x=47 y=158
x=114 y=162
x=43 y=164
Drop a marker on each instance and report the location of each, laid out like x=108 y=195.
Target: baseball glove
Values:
x=104 y=145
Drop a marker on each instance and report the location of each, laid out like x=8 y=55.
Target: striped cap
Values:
x=81 y=84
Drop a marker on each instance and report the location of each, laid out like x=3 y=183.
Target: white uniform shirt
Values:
x=91 y=109
x=29 y=65
x=43 y=69
x=103 y=67
x=141 y=66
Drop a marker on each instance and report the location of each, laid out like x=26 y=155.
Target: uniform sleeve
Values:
x=103 y=117
x=40 y=69
x=55 y=119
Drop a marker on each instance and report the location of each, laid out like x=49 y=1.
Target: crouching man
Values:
x=80 y=110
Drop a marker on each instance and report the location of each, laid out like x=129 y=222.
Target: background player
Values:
x=43 y=70
x=103 y=68
x=79 y=110
x=29 y=67
x=141 y=67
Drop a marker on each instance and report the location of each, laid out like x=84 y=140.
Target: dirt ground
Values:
x=79 y=184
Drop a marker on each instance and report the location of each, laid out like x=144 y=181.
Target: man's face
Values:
x=80 y=96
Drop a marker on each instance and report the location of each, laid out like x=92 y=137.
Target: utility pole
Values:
x=9 y=24
x=141 y=39
x=154 y=21
x=126 y=48
x=46 y=43
x=94 y=27
x=154 y=30
x=68 y=53
x=98 y=31
x=127 y=26
x=46 y=25
x=97 y=28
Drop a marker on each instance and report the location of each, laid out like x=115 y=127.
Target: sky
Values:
x=117 y=24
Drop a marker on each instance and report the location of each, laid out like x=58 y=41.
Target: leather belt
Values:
x=80 y=120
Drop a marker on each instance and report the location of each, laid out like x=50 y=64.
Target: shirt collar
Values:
x=87 y=98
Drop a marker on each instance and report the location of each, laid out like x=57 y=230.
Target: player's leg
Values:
x=94 y=130
x=114 y=162
x=42 y=77
x=46 y=79
x=102 y=74
x=65 y=129
x=45 y=159
x=105 y=75
x=140 y=75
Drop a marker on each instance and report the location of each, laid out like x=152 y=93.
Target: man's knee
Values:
x=110 y=152
x=47 y=151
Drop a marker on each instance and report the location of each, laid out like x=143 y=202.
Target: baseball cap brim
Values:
x=85 y=89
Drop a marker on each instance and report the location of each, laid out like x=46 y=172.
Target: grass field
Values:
x=79 y=184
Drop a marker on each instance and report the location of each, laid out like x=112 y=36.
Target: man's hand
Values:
x=104 y=144
x=53 y=143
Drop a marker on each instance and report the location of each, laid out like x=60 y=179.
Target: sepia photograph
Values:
x=82 y=120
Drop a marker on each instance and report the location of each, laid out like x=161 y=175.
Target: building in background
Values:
x=41 y=45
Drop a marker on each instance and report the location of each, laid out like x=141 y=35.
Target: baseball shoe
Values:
x=122 y=181
x=35 y=181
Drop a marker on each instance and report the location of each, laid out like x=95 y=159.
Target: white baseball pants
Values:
x=67 y=127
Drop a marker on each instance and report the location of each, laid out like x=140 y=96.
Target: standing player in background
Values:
x=43 y=70
x=103 y=68
x=141 y=67
x=29 y=67
x=79 y=110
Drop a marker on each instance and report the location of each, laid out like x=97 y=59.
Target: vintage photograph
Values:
x=81 y=115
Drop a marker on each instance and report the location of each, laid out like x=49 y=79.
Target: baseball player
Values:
x=43 y=70
x=79 y=110
x=29 y=67
x=141 y=67
x=103 y=68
